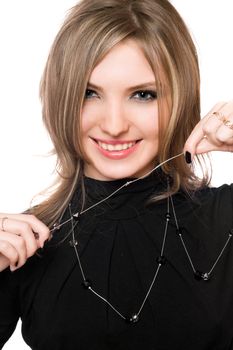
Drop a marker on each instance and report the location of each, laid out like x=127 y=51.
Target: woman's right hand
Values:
x=20 y=237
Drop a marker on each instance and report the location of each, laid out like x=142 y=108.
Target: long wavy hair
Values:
x=91 y=29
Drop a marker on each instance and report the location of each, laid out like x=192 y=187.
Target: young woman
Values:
x=133 y=250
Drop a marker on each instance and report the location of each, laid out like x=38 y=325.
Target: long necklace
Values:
x=160 y=260
x=199 y=275
x=59 y=224
x=88 y=284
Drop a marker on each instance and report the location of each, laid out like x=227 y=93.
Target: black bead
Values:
x=86 y=284
x=231 y=231
x=198 y=275
x=73 y=243
x=75 y=216
x=205 y=276
x=161 y=260
x=132 y=319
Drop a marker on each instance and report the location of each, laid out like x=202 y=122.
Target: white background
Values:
x=27 y=29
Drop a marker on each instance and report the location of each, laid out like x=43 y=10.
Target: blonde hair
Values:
x=91 y=29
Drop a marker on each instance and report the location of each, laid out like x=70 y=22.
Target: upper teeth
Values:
x=117 y=147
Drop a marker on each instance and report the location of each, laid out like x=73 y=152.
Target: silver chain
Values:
x=199 y=275
x=87 y=283
x=160 y=259
x=58 y=225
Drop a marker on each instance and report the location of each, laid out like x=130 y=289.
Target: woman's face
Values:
x=120 y=116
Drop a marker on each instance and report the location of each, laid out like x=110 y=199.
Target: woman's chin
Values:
x=114 y=173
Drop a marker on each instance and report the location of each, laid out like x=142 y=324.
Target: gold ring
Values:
x=228 y=124
x=223 y=119
x=220 y=116
x=2 y=223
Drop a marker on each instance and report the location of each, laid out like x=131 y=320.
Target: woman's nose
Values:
x=114 y=121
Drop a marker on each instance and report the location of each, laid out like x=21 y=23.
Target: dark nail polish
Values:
x=36 y=235
x=188 y=157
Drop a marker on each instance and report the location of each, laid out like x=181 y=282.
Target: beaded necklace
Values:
x=160 y=260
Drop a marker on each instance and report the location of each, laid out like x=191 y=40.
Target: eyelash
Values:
x=89 y=91
x=145 y=95
x=142 y=95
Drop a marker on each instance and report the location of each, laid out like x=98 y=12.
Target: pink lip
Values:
x=114 y=142
x=117 y=154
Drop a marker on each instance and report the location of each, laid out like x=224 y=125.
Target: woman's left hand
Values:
x=214 y=132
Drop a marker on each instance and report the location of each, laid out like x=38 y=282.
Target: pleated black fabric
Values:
x=119 y=242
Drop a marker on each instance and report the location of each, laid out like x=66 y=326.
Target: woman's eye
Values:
x=90 y=93
x=145 y=95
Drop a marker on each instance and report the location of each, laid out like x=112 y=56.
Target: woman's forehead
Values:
x=125 y=64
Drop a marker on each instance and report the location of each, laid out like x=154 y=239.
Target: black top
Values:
x=119 y=242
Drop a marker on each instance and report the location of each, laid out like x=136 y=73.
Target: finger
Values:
x=23 y=229
x=225 y=108
x=219 y=129
x=199 y=143
x=8 y=256
x=4 y=262
x=208 y=126
x=38 y=227
x=15 y=241
x=205 y=146
x=194 y=139
x=220 y=106
x=225 y=135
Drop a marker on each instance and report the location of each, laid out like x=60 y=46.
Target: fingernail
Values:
x=13 y=268
x=36 y=235
x=188 y=157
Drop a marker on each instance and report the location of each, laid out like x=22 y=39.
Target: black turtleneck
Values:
x=119 y=242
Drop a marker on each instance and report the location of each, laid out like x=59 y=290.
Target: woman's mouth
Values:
x=116 y=149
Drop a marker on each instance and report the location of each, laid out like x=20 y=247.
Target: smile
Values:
x=116 y=149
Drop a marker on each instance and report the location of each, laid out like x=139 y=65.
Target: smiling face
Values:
x=120 y=116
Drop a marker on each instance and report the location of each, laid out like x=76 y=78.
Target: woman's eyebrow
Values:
x=94 y=86
x=140 y=86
